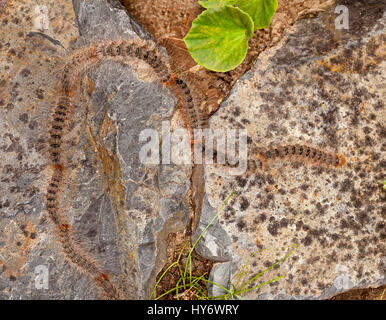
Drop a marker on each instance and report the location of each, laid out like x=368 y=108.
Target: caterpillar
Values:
x=191 y=105
x=85 y=264
x=81 y=61
x=59 y=123
x=146 y=51
x=295 y=152
x=52 y=196
x=72 y=253
x=303 y=153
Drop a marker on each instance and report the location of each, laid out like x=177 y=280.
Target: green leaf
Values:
x=261 y=11
x=207 y=4
x=218 y=39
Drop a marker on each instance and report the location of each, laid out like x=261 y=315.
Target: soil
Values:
x=200 y=266
x=169 y=21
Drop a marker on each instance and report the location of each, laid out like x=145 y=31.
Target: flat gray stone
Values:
x=324 y=88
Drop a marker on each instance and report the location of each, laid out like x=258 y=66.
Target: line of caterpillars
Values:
x=79 y=63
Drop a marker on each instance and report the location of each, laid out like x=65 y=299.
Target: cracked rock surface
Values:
x=120 y=211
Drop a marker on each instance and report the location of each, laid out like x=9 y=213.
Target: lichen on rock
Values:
x=322 y=87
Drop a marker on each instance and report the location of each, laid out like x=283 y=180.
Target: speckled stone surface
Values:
x=325 y=88
x=120 y=211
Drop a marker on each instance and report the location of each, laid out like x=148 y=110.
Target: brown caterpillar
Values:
x=142 y=50
x=85 y=264
x=104 y=282
x=296 y=152
x=84 y=58
x=74 y=254
x=52 y=196
x=77 y=64
x=190 y=104
x=60 y=117
x=303 y=153
x=147 y=52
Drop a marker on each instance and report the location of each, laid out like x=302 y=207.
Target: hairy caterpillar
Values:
x=303 y=153
x=295 y=152
x=190 y=104
x=84 y=58
x=59 y=122
x=52 y=197
x=76 y=65
x=85 y=264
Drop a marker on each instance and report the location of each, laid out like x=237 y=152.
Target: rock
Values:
x=220 y=274
x=29 y=250
x=214 y=241
x=106 y=19
x=120 y=210
x=322 y=87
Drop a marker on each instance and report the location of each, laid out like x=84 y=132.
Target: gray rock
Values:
x=106 y=18
x=221 y=275
x=324 y=88
x=136 y=105
x=214 y=242
x=120 y=210
x=28 y=240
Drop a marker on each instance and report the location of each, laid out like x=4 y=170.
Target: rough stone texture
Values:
x=27 y=80
x=120 y=211
x=107 y=19
x=220 y=274
x=322 y=87
x=3 y=3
